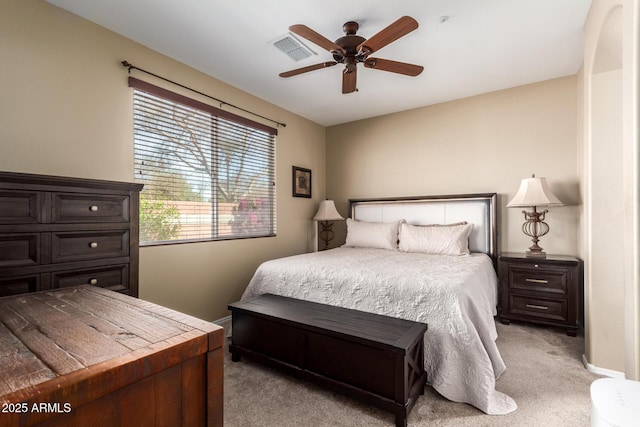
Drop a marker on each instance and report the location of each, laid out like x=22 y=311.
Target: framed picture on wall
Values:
x=301 y=182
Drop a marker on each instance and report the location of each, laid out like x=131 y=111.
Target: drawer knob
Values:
x=93 y=281
x=536 y=280
x=93 y=245
x=93 y=208
x=539 y=307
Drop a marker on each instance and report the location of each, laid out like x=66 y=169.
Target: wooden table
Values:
x=377 y=359
x=86 y=356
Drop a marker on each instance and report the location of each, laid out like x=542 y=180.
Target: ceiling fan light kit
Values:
x=352 y=49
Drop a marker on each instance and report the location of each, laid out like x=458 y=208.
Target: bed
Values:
x=406 y=276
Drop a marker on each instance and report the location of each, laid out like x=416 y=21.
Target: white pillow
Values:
x=436 y=239
x=382 y=235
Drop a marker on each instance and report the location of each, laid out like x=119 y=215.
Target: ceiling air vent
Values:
x=292 y=47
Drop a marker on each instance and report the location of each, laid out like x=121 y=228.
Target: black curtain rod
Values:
x=133 y=67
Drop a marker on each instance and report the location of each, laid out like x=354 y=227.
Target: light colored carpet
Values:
x=544 y=375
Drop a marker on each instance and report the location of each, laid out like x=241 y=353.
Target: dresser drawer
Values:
x=540 y=279
x=88 y=208
x=19 y=285
x=115 y=277
x=20 y=207
x=19 y=249
x=78 y=246
x=542 y=308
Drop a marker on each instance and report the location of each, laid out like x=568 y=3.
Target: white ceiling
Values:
x=485 y=45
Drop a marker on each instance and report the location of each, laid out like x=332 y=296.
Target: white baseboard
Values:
x=601 y=371
x=223 y=320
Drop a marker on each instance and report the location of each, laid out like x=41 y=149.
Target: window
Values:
x=207 y=174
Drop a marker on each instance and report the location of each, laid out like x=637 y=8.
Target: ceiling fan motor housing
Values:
x=349 y=42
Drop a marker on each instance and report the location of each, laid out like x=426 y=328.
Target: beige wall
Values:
x=65 y=109
x=609 y=173
x=486 y=143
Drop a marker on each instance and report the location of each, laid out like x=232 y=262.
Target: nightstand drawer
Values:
x=538 y=279
x=547 y=309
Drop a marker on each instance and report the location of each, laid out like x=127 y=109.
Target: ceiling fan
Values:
x=352 y=49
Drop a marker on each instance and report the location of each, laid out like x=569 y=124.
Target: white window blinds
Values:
x=207 y=174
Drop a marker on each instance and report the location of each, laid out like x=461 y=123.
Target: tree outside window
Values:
x=206 y=177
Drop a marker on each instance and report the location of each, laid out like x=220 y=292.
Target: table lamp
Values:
x=534 y=192
x=327 y=212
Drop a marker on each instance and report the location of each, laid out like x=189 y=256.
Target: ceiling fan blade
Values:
x=349 y=79
x=393 y=66
x=314 y=37
x=307 y=69
x=393 y=32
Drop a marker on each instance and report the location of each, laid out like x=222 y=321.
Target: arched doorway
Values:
x=605 y=266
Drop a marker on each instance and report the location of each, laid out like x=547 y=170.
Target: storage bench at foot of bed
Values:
x=377 y=359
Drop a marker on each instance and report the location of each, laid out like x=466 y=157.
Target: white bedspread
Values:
x=455 y=296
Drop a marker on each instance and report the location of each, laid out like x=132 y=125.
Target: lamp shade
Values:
x=327 y=212
x=534 y=192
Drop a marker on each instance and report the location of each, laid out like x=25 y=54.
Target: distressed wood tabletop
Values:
x=82 y=343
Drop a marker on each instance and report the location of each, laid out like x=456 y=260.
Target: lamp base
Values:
x=535 y=227
x=326 y=233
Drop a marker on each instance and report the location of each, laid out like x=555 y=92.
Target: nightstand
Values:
x=540 y=290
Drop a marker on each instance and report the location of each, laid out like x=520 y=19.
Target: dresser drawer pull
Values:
x=539 y=307
x=93 y=208
x=93 y=281
x=93 y=245
x=536 y=280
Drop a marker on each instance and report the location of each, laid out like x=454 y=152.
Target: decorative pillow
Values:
x=437 y=239
x=382 y=235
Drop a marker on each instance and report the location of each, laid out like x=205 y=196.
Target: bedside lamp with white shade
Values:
x=534 y=193
x=327 y=212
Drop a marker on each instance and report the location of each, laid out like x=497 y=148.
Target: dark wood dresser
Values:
x=540 y=290
x=86 y=356
x=57 y=232
x=377 y=359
